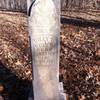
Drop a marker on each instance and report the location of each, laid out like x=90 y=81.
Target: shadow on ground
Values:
x=14 y=88
x=80 y=22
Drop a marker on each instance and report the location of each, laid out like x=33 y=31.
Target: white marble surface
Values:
x=44 y=30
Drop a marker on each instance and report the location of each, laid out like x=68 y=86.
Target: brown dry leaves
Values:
x=14 y=45
x=82 y=73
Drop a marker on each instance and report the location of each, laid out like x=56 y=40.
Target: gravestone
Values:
x=44 y=33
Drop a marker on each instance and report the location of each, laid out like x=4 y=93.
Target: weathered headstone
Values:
x=44 y=32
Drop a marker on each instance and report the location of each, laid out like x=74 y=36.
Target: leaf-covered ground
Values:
x=79 y=59
x=80 y=62
x=15 y=59
x=14 y=47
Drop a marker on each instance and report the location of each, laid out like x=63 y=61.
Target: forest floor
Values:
x=79 y=59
